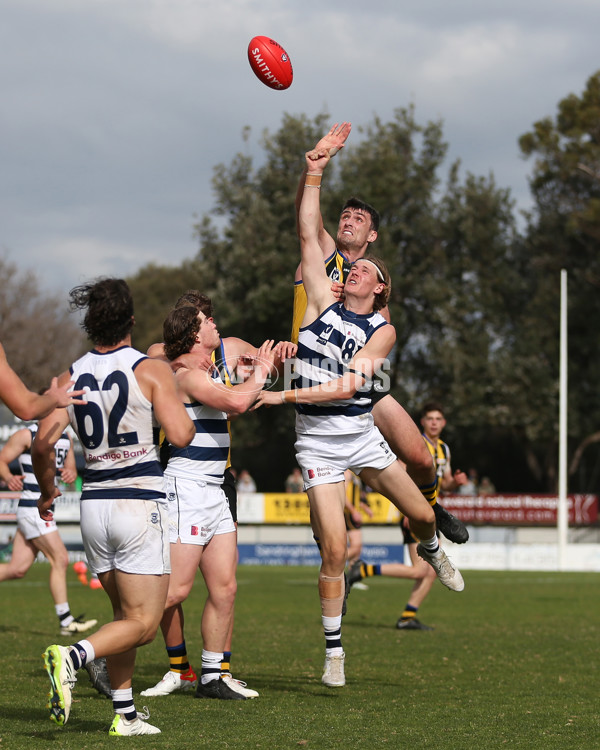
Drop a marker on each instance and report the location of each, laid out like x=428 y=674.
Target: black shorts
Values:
x=230 y=491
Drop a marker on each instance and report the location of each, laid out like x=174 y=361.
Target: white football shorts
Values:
x=31 y=525
x=324 y=459
x=127 y=535
x=197 y=511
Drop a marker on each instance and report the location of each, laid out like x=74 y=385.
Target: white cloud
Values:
x=116 y=111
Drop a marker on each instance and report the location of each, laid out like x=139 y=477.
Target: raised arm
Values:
x=333 y=141
x=314 y=275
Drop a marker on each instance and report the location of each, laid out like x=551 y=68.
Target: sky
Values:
x=115 y=112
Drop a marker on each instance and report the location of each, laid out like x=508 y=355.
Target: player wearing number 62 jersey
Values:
x=121 y=456
x=124 y=517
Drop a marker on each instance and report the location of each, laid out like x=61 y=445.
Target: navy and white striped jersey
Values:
x=205 y=458
x=31 y=489
x=117 y=428
x=324 y=349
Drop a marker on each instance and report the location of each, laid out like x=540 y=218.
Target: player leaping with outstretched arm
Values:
x=341 y=346
x=357 y=230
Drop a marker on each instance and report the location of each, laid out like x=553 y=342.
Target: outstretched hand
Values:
x=63 y=396
x=335 y=139
x=285 y=350
x=267 y=398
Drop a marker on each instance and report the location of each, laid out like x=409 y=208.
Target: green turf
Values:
x=512 y=663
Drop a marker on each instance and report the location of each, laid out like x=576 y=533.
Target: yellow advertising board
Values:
x=285 y=508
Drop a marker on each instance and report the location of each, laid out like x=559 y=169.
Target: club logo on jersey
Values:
x=323 y=337
x=335 y=274
x=385 y=447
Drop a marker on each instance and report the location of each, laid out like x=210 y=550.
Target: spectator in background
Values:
x=486 y=486
x=294 y=482
x=245 y=483
x=470 y=487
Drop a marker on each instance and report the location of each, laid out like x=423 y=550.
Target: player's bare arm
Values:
x=316 y=282
x=43 y=457
x=17 y=443
x=361 y=368
x=158 y=385
x=68 y=473
x=26 y=404
x=237 y=399
x=333 y=141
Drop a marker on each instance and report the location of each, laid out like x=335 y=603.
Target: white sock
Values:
x=211 y=665
x=431 y=545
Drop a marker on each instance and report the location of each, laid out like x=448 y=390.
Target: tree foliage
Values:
x=474 y=303
x=564 y=232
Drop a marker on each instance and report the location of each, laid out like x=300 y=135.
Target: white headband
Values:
x=376 y=267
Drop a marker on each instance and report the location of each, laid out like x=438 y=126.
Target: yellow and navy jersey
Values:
x=226 y=378
x=337 y=267
x=441 y=454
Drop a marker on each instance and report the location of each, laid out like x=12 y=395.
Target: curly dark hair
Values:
x=194 y=298
x=109 y=309
x=180 y=330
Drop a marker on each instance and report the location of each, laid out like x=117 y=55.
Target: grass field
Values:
x=512 y=663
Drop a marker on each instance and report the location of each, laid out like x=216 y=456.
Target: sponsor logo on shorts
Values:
x=194 y=531
x=320 y=471
x=311 y=474
x=385 y=447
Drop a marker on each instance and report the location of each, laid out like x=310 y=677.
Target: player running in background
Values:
x=357 y=230
x=432 y=422
x=124 y=518
x=34 y=535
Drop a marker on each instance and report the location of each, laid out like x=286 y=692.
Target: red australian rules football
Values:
x=270 y=63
